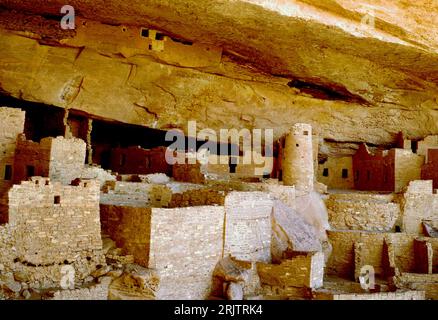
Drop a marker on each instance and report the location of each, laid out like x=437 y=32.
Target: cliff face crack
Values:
x=154 y=114
x=326 y=92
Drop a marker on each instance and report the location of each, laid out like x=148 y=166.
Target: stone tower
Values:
x=298 y=157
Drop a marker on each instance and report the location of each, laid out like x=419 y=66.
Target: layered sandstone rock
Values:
x=273 y=63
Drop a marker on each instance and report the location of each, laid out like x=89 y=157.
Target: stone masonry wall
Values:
x=338 y=173
x=407 y=168
x=418 y=204
x=43 y=236
x=360 y=211
x=11 y=125
x=54 y=222
x=67 y=158
x=136 y=194
x=248 y=226
x=304 y=270
x=182 y=244
x=353 y=249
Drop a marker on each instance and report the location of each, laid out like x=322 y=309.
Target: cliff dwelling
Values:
x=218 y=150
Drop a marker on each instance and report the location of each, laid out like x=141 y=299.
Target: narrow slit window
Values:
x=30 y=171
x=344 y=173
x=122 y=159
x=325 y=172
x=145 y=33
x=8 y=172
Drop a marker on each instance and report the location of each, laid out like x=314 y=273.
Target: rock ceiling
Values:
x=283 y=61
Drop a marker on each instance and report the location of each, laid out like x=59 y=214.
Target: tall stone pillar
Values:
x=298 y=164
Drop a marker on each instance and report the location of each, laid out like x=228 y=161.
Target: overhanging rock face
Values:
x=281 y=63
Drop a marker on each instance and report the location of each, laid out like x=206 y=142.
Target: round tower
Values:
x=298 y=157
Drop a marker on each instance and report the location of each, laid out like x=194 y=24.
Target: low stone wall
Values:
x=361 y=211
x=354 y=249
x=201 y=197
x=305 y=270
x=135 y=194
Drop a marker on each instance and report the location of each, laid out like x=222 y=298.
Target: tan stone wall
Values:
x=137 y=194
x=407 y=168
x=43 y=237
x=203 y=197
x=67 y=158
x=285 y=194
x=345 y=260
x=335 y=180
x=11 y=125
x=182 y=244
x=58 y=158
x=304 y=270
x=130 y=228
x=248 y=226
x=188 y=173
x=362 y=211
x=31 y=154
x=342 y=258
x=418 y=204
x=51 y=232
x=398 y=295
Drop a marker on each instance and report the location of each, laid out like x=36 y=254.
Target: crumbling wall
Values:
x=407 y=168
x=51 y=227
x=54 y=222
x=192 y=198
x=67 y=158
x=248 y=226
x=418 y=204
x=285 y=194
x=360 y=211
x=11 y=125
x=337 y=173
x=59 y=158
x=31 y=159
x=342 y=259
x=136 y=194
x=354 y=249
x=302 y=270
x=187 y=172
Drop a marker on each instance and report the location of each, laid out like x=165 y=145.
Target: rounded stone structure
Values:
x=298 y=157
